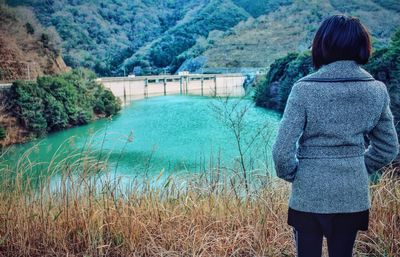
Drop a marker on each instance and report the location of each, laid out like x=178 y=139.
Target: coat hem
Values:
x=329 y=211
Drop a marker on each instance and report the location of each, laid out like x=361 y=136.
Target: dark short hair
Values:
x=341 y=37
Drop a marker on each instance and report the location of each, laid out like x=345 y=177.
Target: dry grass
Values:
x=89 y=215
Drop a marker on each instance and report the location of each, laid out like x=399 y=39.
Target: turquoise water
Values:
x=170 y=133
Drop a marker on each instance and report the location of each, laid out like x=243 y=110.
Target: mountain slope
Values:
x=26 y=49
x=258 y=42
x=114 y=37
x=163 y=52
x=101 y=34
x=258 y=8
x=175 y=46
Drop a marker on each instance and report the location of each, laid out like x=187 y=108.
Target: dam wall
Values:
x=133 y=88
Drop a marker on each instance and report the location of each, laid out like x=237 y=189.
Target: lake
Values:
x=173 y=134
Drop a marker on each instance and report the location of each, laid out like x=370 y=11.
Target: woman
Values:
x=327 y=115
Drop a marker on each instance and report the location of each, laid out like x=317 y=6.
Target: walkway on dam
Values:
x=131 y=88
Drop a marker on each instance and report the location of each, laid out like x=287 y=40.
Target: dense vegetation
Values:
x=2 y=132
x=272 y=90
x=181 y=43
x=56 y=102
x=385 y=66
x=100 y=34
x=163 y=53
x=113 y=36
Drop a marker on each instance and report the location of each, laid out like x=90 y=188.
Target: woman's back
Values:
x=321 y=138
x=330 y=112
x=340 y=107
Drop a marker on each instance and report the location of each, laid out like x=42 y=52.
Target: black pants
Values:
x=309 y=244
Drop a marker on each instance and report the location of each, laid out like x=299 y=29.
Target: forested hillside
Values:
x=113 y=37
x=101 y=34
x=258 y=42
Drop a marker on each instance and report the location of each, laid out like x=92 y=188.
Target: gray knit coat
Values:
x=320 y=146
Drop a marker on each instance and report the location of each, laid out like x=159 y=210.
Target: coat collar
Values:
x=339 y=71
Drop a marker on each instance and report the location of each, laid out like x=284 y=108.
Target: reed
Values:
x=83 y=210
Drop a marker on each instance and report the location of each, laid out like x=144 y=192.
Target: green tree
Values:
x=27 y=104
x=385 y=66
x=57 y=102
x=273 y=90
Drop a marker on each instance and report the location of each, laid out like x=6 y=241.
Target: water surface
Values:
x=169 y=133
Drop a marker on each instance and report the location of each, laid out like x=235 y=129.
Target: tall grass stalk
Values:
x=88 y=214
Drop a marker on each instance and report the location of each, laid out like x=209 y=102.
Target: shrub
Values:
x=27 y=104
x=57 y=102
x=385 y=66
x=55 y=114
x=29 y=28
x=273 y=90
x=45 y=39
x=106 y=103
x=3 y=133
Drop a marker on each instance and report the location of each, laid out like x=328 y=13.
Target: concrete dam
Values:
x=140 y=87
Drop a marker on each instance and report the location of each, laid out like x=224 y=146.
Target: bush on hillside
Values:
x=56 y=102
x=29 y=28
x=26 y=102
x=272 y=91
x=3 y=133
x=385 y=66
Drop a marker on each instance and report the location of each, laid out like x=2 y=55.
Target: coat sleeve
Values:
x=383 y=147
x=290 y=129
